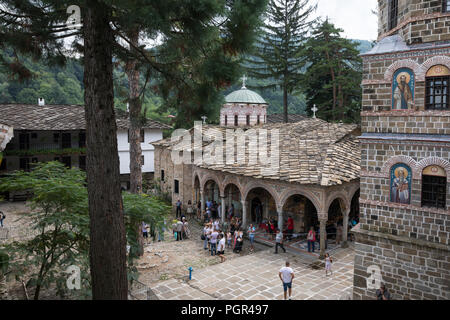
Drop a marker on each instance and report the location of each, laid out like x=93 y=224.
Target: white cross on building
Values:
x=314 y=109
x=244 y=79
x=204 y=119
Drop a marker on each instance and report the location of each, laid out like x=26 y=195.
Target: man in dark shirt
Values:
x=383 y=293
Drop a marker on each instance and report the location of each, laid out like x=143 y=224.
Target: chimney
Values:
x=41 y=101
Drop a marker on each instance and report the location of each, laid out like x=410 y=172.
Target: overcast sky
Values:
x=354 y=16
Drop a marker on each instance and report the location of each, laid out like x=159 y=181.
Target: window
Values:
x=226 y=120
x=56 y=138
x=142 y=160
x=393 y=14
x=66 y=142
x=24 y=141
x=82 y=140
x=34 y=135
x=162 y=175
x=3 y=165
x=437 y=88
x=446 y=6
x=434 y=187
x=258 y=120
x=82 y=163
x=176 y=187
x=67 y=161
x=24 y=164
x=236 y=120
x=248 y=120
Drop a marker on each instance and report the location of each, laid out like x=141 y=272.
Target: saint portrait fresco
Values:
x=401 y=184
x=403 y=90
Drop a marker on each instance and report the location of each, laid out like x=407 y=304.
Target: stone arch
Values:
x=211 y=177
x=232 y=180
x=437 y=60
x=310 y=196
x=256 y=185
x=344 y=201
x=406 y=63
x=197 y=175
x=421 y=165
x=410 y=162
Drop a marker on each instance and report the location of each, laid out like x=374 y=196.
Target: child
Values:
x=229 y=239
x=328 y=262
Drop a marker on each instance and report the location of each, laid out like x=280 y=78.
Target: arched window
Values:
x=248 y=119
x=401 y=176
x=434 y=187
x=258 y=119
x=437 y=88
x=236 y=120
x=226 y=120
x=403 y=89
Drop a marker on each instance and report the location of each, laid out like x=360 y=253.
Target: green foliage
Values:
x=140 y=208
x=59 y=227
x=4 y=262
x=334 y=74
x=277 y=53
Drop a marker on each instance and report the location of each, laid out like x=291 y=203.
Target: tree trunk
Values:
x=285 y=104
x=107 y=229
x=3 y=287
x=135 y=133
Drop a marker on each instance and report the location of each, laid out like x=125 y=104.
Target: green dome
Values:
x=245 y=96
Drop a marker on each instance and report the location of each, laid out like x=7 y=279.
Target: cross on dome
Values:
x=244 y=79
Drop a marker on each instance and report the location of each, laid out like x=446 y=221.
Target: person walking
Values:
x=229 y=235
x=190 y=210
x=251 y=237
x=2 y=217
x=311 y=239
x=221 y=249
x=213 y=241
x=287 y=276
x=178 y=204
x=328 y=264
x=179 y=230
x=279 y=241
x=205 y=237
x=145 y=228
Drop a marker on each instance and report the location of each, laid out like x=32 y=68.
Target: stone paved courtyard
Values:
x=247 y=276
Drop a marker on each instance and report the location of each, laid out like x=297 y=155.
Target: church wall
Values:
x=410 y=271
x=419 y=21
x=407 y=242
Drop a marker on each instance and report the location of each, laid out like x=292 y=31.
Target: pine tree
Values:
x=334 y=74
x=198 y=44
x=277 y=54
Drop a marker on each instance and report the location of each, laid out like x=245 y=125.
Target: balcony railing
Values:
x=42 y=149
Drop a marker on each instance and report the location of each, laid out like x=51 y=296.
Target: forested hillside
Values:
x=64 y=85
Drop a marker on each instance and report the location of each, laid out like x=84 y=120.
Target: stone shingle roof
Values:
x=311 y=151
x=279 y=118
x=57 y=117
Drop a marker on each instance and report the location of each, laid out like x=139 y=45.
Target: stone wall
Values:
x=419 y=21
x=411 y=270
